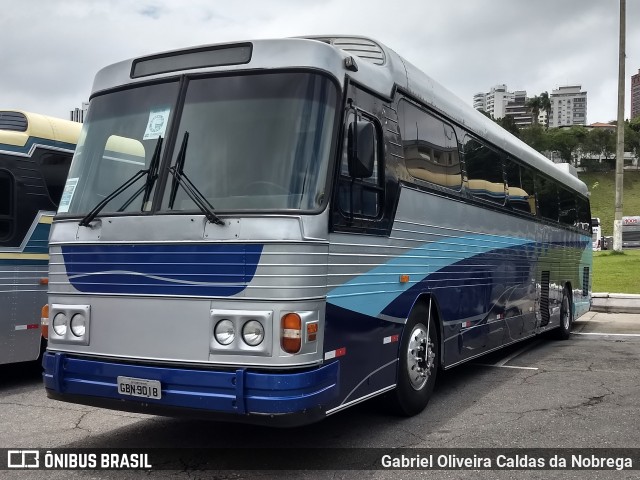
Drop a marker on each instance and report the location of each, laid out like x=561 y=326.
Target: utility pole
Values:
x=617 y=222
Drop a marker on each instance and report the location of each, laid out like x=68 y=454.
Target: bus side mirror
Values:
x=361 y=149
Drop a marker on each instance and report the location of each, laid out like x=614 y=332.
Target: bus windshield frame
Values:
x=258 y=143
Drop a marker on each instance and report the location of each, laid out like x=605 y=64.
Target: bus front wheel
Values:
x=419 y=358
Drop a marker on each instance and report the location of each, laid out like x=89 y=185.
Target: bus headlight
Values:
x=69 y=324
x=60 y=324
x=78 y=325
x=224 y=332
x=253 y=333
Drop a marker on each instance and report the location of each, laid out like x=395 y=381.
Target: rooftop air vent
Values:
x=14 y=121
x=359 y=47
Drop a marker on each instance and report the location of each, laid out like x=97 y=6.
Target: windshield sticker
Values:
x=157 y=124
x=67 y=194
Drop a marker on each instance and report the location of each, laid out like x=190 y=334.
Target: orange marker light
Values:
x=404 y=278
x=291 y=336
x=44 y=321
x=312 y=332
x=44 y=281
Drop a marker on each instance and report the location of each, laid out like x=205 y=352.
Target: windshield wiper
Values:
x=151 y=173
x=181 y=179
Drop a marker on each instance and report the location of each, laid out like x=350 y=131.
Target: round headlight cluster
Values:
x=252 y=332
x=78 y=325
x=60 y=324
x=225 y=332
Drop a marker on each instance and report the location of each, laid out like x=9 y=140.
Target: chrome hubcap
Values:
x=420 y=357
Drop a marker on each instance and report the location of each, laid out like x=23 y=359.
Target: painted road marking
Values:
x=608 y=334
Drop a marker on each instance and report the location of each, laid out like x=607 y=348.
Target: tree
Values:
x=545 y=104
x=509 y=124
x=566 y=141
x=534 y=105
x=632 y=136
x=600 y=141
x=535 y=137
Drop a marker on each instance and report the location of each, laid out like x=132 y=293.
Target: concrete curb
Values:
x=615 y=302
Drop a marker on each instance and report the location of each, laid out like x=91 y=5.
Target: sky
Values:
x=50 y=50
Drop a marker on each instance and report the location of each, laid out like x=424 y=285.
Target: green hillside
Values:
x=602 y=188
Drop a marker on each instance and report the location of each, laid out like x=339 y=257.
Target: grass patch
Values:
x=602 y=186
x=616 y=272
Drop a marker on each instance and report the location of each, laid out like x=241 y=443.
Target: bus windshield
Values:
x=255 y=142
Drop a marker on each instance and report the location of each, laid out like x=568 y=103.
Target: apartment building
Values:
x=635 y=95
x=568 y=106
x=495 y=101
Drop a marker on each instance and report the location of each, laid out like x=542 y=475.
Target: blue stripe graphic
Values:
x=371 y=292
x=207 y=270
x=36 y=140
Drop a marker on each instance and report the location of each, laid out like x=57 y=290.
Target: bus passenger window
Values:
x=430 y=147
x=6 y=204
x=584 y=214
x=547 y=198
x=567 y=213
x=521 y=187
x=54 y=168
x=484 y=171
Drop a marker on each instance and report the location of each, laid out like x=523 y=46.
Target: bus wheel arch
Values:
x=419 y=359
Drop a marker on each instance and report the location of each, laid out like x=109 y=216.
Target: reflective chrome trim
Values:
x=361 y=399
x=395 y=360
x=447 y=367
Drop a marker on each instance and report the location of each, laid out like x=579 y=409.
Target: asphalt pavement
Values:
x=580 y=393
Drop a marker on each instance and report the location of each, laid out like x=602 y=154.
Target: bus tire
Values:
x=566 y=316
x=417 y=365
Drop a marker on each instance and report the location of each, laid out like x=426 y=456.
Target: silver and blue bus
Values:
x=293 y=226
x=35 y=155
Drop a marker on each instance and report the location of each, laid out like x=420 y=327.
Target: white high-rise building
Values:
x=78 y=114
x=494 y=101
x=568 y=106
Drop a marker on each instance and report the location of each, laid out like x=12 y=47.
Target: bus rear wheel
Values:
x=418 y=364
x=566 y=316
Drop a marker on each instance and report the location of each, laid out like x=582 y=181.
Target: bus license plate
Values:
x=139 y=387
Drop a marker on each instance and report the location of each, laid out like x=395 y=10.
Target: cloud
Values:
x=467 y=45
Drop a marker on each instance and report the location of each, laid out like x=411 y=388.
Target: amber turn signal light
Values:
x=291 y=336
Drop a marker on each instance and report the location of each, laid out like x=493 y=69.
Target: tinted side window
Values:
x=430 y=147
x=521 y=187
x=484 y=171
x=567 y=213
x=6 y=204
x=547 y=198
x=584 y=214
x=54 y=168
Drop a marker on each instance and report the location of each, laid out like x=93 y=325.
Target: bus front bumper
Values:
x=239 y=395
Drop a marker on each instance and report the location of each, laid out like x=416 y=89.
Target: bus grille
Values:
x=585 y=281
x=544 y=298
